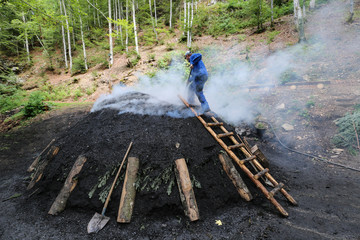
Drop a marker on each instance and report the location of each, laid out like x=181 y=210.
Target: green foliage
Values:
x=346 y=136
x=288 y=76
x=35 y=105
x=133 y=58
x=78 y=66
x=11 y=97
x=78 y=93
x=164 y=62
x=272 y=35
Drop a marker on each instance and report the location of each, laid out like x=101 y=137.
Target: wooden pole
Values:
x=128 y=192
x=42 y=165
x=69 y=185
x=186 y=191
x=235 y=177
x=36 y=161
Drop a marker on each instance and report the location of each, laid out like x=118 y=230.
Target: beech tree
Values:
x=135 y=33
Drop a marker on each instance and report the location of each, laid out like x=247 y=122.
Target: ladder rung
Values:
x=225 y=134
x=261 y=173
x=276 y=189
x=236 y=146
x=247 y=159
x=214 y=124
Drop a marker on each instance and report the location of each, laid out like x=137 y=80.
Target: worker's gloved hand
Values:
x=191 y=66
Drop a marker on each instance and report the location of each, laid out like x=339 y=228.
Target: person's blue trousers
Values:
x=196 y=87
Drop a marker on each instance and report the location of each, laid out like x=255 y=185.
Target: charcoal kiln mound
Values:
x=103 y=137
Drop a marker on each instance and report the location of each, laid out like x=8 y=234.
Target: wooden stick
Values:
x=114 y=182
x=235 y=177
x=36 y=161
x=128 y=192
x=357 y=138
x=42 y=165
x=69 y=185
x=186 y=191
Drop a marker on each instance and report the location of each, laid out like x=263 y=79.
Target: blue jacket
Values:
x=199 y=68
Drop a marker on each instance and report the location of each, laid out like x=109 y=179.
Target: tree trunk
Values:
x=128 y=191
x=155 y=13
x=301 y=25
x=94 y=12
x=98 y=15
x=187 y=195
x=170 y=14
x=312 y=4
x=188 y=25
x=126 y=29
x=296 y=20
x=184 y=17
x=63 y=38
x=350 y=19
x=70 y=183
x=121 y=17
x=135 y=33
x=82 y=40
x=111 y=58
x=68 y=34
x=192 y=17
x=26 y=40
x=152 y=21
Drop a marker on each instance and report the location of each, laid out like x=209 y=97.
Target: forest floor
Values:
x=327 y=194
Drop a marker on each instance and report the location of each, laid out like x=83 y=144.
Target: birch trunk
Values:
x=111 y=59
x=82 y=40
x=121 y=17
x=155 y=13
x=191 y=22
x=304 y=11
x=126 y=29
x=170 y=13
x=135 y=33
x=63 y=37
x=97 y=13
x=94 y=13
x=351 y=11
x=296 y=5
x=26 y=40
x=152 y=21
x=188 y=24
x=184 y=17
x=116 y=18
x=68 y=34
x=300 y=24
x=312 y=4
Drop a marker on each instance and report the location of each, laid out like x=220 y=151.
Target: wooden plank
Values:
x=186 y=191
x=128 y=192
x=70 y=183
x=37 y=159
x=214 y=124
x=235 y=177
x=260 y=156
x=42 y=165
x=235 y=146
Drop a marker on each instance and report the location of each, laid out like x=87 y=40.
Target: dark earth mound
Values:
x=103 y=137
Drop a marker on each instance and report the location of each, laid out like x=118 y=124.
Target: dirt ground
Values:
x=328 y=195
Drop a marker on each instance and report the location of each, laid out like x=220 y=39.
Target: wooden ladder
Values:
x=250 y=158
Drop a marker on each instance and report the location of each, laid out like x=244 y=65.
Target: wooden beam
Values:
x=42 y=165
x=186 y=191
x=69 y=185
x=37 y=159
x=235 y=177
x=128 y=192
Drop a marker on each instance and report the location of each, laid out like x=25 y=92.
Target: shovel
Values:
x=98 y=221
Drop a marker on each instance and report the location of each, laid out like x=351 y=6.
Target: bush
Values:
x=78 y=66
x=35 y=105
x=346 y=133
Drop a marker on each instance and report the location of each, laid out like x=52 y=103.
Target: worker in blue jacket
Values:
x=198 y=77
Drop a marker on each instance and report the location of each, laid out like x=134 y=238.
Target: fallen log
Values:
x=128 y=192
x=235 y=177
x=69 y=185
x=186 y=191
x=37 y=159
x=42 y=165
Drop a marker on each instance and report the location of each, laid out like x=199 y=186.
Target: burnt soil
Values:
x=328 y=196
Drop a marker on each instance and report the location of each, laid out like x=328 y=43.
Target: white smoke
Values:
x=227 y=89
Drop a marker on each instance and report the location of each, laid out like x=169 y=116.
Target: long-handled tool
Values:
x=98 y=221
